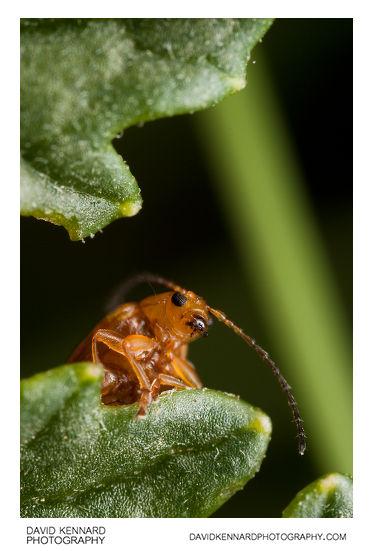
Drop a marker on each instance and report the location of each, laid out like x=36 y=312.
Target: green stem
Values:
x=264 y=200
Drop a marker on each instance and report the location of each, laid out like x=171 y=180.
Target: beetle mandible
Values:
x=143 y=347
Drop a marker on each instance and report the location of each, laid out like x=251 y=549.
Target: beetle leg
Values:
x=110 y=338
x=132 y=347
x=186 y=372
x=165 y=380
x=183 y=351
x=135 y=346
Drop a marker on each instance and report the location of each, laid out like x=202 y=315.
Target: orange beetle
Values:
x=143 y=347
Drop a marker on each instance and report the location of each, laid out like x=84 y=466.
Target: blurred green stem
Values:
x=264 y=200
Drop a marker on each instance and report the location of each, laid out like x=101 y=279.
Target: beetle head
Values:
x=187 y=315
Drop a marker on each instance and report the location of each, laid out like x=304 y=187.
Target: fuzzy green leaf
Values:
x=83 y=81
x=192 y=452
x=328 y=497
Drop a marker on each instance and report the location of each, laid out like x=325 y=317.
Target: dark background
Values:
x=64 y=284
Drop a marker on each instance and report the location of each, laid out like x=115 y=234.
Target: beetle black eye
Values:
x=178 y=299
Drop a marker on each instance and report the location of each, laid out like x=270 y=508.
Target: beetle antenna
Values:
x=265 y=356
x=123 y=289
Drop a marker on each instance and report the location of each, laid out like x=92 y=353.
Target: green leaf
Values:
x=191 y=453
x=83 y=81
x=330 y=496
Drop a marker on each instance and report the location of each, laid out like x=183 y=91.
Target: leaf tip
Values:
x=130 y=207
x=262 y=423
x=237 y=83
x=327 y=483
x=330 y=496
x=333 y=482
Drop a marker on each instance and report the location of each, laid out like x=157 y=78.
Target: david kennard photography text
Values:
x=65 y=534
